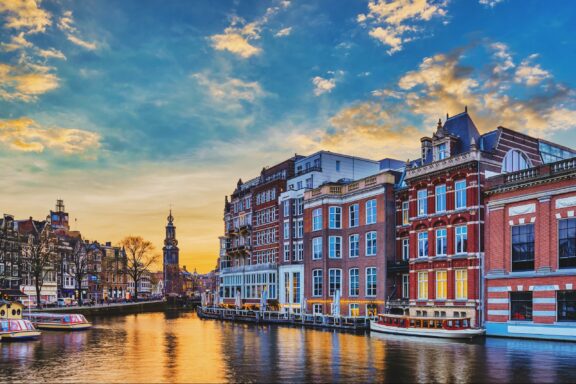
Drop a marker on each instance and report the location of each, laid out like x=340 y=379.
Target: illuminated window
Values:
x=461 y=276
x=441 y=285
x=422 y=285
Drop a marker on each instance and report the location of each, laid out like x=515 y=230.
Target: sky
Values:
x=125 y=109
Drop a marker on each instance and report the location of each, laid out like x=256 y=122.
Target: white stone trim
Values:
x=566 y=202
x=522 y=209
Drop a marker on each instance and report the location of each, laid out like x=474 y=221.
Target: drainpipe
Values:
x=481 y=270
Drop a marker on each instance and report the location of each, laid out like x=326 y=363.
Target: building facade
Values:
x=531 y=252
x=348 y=235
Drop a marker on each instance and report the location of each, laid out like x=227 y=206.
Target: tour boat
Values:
x=448 y=327
x=58 y=321
x=17 y=329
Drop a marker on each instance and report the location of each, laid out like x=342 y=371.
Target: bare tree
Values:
x=41 y=258
x=79 y=260
x=140 y=257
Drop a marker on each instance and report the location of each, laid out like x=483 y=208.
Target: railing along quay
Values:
x=356 y=323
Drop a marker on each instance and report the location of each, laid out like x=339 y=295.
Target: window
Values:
x=317 y=309
x=422 y=244
x=286 y=206
x=334 y=280
x=406 y=249
x=405 y=216
x=317 y=219
x=299 y=256
x=286 y=229
x=521 y=306
x=353 y=215
x=370 y=243
x=296 y=287
x=566 y=305
x=334 y=247
x=440 y=198
x=354 y=282
x=316 y=248
x=317 y=283
x=299 y=228
x=405 y=286
x=354 y=309
x=515 y=160
x=441 y=243
x=299 y=206
x=335 y=218
x=286 y=252
x=370 y=212
x=441 y=285
x=567 y=243
x=371 y=281
x=422 y=285
x=551 y=153
x=461 y=239
x=460 y=192
x=337 y=165
x=371 y=310
x=523 y=247
x=309 y=183
x=461 y=276
x=442 y=151
x=354 y=245
x=422 y=195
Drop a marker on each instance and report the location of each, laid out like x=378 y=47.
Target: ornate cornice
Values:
x=442 y=165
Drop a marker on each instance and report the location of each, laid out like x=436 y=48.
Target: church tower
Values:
x=171 y=259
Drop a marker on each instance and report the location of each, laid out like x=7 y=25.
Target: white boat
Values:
x=445 y=327
x=17 y=329
x=58 y=321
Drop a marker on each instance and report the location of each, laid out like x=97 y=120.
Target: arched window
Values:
x=515 y=160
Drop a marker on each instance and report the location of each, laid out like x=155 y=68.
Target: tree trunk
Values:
x=136 y=291
x=38 y=297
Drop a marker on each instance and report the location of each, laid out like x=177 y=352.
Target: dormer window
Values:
x=515 y=160
x=442 y=151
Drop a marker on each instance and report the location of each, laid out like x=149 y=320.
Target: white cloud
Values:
x=490 y=3
x=26 y=135
x=66 y=25
x=25 y=15
x=396 y=23
x=284 y=32
x=530 y=74
x=25 y=81
x=230 y=89
x=322 y=85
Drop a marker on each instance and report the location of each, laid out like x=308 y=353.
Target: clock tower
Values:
x=171 y=259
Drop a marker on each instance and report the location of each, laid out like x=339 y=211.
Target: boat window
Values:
x=13 y=312
x=18 y=312
x=2 y=313
x=5 y=326
x=66 y=319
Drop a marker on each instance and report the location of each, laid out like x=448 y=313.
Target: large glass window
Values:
x=354 y=309
x=286 y=206
x=316 y=248
x=286 y=252
x=317 y=282
x=461 y=239
x=371 y=281
x=335 y=280
x=523 y=247
x=335 y=218
x=405 y=214
x=441 y=285
x=440 y=198
x=551 y=153
x=296 y=287
x=461 y=277
x=317 y=219
x=515 y=161
x=354 y=215
x=371 y=212
x=422 y=244
x=422 y=195
x=460 y=193
x=422 y=285
x=566 y=305
x=354 y=245
x=441 y=242
x=286 y=229
x=334 y=247
x=521 y=306
x=567 y=243
x=370 y=243
x=442 y=151
x=406 y=249
x=354 y=282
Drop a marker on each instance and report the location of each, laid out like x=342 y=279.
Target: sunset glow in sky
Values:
x=125 y=108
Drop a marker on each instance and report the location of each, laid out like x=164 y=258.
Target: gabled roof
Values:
x=30 y=226
x=462 y=127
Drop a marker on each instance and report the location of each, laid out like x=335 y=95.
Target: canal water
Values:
x=179 y=347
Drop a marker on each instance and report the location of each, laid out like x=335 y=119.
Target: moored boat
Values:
x=12 y=326
x=446 y=327
x=59 y=321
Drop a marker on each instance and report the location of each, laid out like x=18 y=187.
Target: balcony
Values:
x=398 y=303
x=248 y=268
x=397 y=266
x=308 y=170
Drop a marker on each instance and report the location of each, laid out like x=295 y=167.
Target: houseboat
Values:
x=12 y=326
x=447 y=327
x=58 y=321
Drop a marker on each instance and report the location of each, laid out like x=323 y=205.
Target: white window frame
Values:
x=357 y=248
x=369 y=291
x=334 y=247
x=458 y=234
x=337 y=273
x=460 y=194
x=422 y=244
x=357 y=275
x=316 y=245
x=440 y=197
x=460 y=275
x=405 y=213
x=353 y=209
x=406 y=248
x=335 y=217
x=317 y=277
x=374 y=241
x=422 y=278
x=441 y=241
x=422 y=202
x=371 y=211
x=317 y=219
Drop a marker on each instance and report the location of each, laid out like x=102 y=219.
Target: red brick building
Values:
x=531 y=252
x=348 y=233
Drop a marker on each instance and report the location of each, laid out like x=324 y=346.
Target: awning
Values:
x=12 y=293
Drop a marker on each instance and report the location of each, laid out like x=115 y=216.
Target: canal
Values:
x=179 y=347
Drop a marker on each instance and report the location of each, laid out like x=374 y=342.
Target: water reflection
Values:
x=179 y=347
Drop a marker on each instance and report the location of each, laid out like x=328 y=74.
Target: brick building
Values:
x=348 y=233
x=530 y=264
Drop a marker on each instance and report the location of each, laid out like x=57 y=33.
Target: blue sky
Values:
x=123 y=108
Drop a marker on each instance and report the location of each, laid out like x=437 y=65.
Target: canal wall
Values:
x=111 y=309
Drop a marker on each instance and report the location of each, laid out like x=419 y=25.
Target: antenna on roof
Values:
x=465 y=109
x=447 y=117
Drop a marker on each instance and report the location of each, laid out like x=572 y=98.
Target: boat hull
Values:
x=20 y=335
x=63 y=327
x=422 y=332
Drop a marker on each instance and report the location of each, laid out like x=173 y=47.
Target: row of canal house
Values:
x=410 y=237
